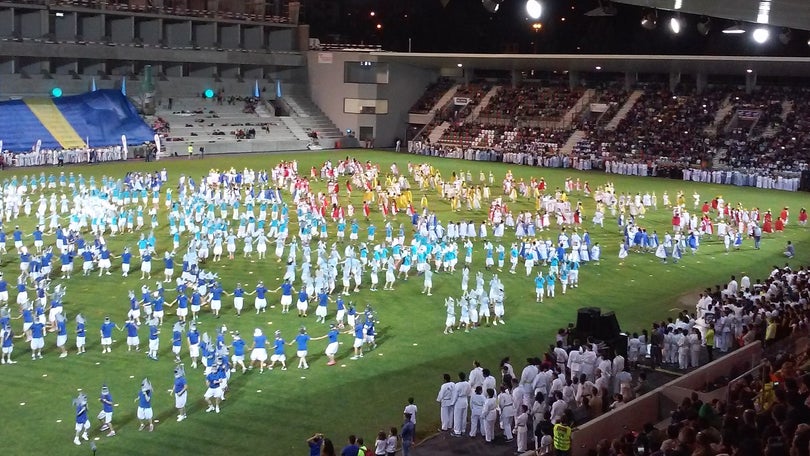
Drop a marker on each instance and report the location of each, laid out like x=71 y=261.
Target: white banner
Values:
x=461 y=101
x=124 y=143
x=39 y=145
x=599 y=107
x=325 y=57
x=157 y=146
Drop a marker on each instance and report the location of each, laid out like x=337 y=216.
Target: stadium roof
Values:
x=718 y=65
x=780 y=13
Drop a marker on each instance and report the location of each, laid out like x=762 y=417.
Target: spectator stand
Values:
x=227 y=124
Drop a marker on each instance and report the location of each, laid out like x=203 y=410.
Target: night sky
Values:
x=465 y=26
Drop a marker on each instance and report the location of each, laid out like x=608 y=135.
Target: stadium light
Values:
x=785 y=36
x=492 y=5
x=735 y=29
x=56 y=92
x=649 y=20
x=534 y=9
x=675 y=24
x=209 y=93
x=761 y=35
x=704 y=26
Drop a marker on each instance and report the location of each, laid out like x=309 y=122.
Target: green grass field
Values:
x=274 y=413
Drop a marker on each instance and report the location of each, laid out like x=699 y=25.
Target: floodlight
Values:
x=735 y=29
x=649 y=20
x=761 y=35
x=785 y=36
x=675 y=24
x=704 y=26
x=534 y=9
x=492 y=5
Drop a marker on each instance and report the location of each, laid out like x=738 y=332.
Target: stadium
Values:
x=595 y=210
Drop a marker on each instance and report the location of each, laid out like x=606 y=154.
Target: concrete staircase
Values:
x=787 y=108
x=295 y=128
x=309 y=116
x=261 y=111
x=438 y=132
x=624 y=110
x=573 y=140
x=720 y=154
x=725 y=109
x=446 y=98
x=483 y=104
x=576 y=110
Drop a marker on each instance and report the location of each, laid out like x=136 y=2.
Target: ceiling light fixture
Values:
x=649 y=20
x=534 y=9
x=761 y=35
x=492 y=5
x=675 y=24
x=704 y=26
x=735 y=29
x=785 y=36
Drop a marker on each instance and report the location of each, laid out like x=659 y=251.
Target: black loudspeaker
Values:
x=607 y=327
x=587 y=321
x=804 y=182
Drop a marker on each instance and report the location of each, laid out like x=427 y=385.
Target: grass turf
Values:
x=274 y=413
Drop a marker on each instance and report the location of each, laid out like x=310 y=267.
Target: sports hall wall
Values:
x=399 y=86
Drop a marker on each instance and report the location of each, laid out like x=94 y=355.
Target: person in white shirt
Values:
x=461 y=395
x=506 y=406
x=411 y=409
x=476 y=377
x=445 y=400
x=745 y=283
x=489 y=414
x=489 y=380
x=527 y=377
x=733 y=287
x=477 y=401
x=561 y=356
x=522 y=425
x=558 y=408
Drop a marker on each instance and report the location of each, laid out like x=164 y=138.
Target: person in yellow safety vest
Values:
x=190 y=150
x=562 y=437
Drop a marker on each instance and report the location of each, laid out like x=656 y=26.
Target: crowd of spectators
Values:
x=613 y=97
x=432 y=94
x=474 y=92
x=531 y=101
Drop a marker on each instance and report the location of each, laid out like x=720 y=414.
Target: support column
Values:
x=630 y=80
x=517 y=78
x=674 y=80
x=750 y=82
x=701 y=82
x=573 y=79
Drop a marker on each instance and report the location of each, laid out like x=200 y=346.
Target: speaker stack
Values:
x=591 y=322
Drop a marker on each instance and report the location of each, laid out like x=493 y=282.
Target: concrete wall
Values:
x=328 y=90
x=233 y=147
x=405 y=85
